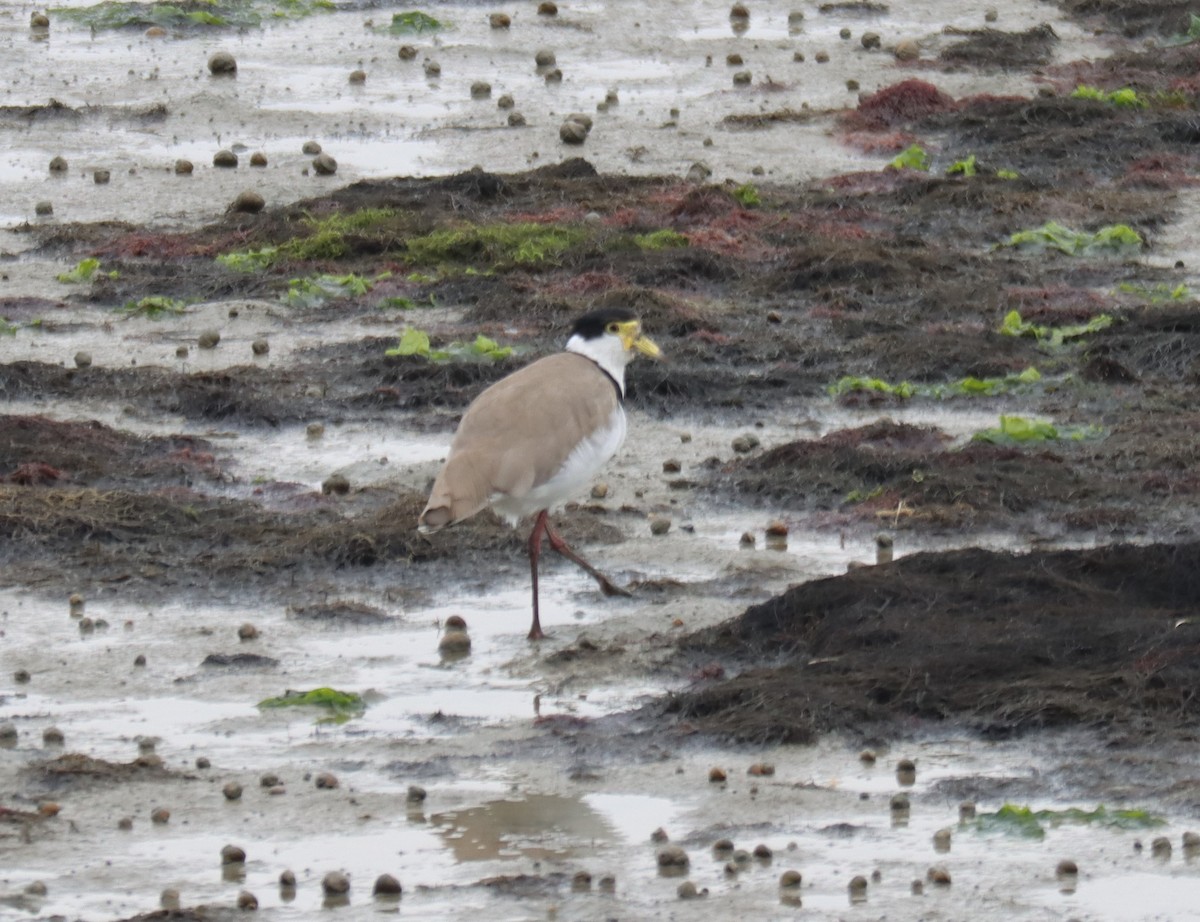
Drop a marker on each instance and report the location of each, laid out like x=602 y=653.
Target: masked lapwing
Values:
x=536 y=438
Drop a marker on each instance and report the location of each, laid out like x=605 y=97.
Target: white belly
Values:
x=577 y=472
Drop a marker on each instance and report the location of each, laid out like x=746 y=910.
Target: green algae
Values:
x=1013 y=325
x=1019 y=430
x=1112 y=240
x=1031 y=824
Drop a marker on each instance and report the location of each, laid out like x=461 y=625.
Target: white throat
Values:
x=607 y=352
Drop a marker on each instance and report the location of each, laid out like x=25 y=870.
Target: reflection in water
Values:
x=540 y=826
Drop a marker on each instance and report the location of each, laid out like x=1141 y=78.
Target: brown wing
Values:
x=518 y=433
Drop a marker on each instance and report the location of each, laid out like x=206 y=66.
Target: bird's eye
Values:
x=614 y=328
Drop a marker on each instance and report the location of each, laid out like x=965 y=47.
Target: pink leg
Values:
x=607 y=586
x=535 y=549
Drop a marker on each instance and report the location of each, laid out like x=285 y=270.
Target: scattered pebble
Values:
x=101 y=177
x=233 y=854
x=941 y=840
x=83 y=359
x=821 y=57
x=225 y=159
x=270 y=780
x=990 y=15
x=938 y=876
x=169 y=898
x=867 y=757
x=660 y=525
x=260 y=347
x=761 y=769
x=416 y=794
x=573 y=131
x=599 y=491
x=86 y=625
x=607 y=884
x=906 y=771
x=744 y=444
x=247 y=901
x=547 y=8
x=52 y=736
x=335 y=485
x=358 y=76
x=581 y=882
x=659 y=835
x=125 y=823
x=857 y=886
x=324 y=165
x=870 y=41
x=387 y=885
x=716 y=775
x=160 y=816
x=314 y=430
x=39 y=20
x=1191 y=840
x=258 y=158
x=516 y=120
x=917 y=887
x=326 y=781
x=1066 y=868
x=733 y=60
x=43 y=209
x=183 y=167
x=139 y=660
x=335 y=883
x=248 y=202
x=499 y=20
x=202 y=762
x=966 y=810
x=287 y=880
x=723 y=847
x=505 y=102
x=208 y=339
x=455 y=642
x=232 y=791
x=21 y=676
x=743 y=78
x=481 y=89
x=748 y=539
x=687 y=890
x=222 y=63
x=247 y=632
x=907 y=50
x=672 y=856
x=900 y=803
x=58 y=165
x=672 y=466
x=544 y=57
x=763 y=852
x=312 y=148
x=432 y=69
x=790 y=880
x=1160 y=847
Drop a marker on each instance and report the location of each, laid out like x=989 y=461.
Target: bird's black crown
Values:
x=593 y=324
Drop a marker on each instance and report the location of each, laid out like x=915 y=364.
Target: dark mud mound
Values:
x=35 y=450
x=993 y=48
x=1104 y=638
x=1154 y=17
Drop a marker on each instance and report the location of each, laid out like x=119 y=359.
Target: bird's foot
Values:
x=609 y=588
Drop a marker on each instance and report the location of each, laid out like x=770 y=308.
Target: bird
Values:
x=537 y=437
